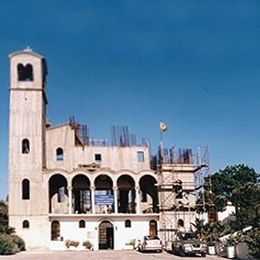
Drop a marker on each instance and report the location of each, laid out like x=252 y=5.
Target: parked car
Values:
x=188 y=243
x=150 y=243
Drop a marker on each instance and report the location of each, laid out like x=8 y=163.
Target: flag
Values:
x=163 y=126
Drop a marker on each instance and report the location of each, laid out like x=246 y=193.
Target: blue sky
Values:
x=194 y=64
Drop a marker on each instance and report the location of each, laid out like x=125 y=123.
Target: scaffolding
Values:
x=180 y=179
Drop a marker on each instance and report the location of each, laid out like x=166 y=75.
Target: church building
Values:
x=63 y=185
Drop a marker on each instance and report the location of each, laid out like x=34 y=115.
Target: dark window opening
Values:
x=25 y=189
x=59 y=154
x=26 y=224
x=25 y=73
x=82 y=224
x=128 y=223
x=25 y=146
x=178 y=189
x=55 y=230
x=98 y=157
x=180 y=223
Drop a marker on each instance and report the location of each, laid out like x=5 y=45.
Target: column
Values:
x=70 y=199
x=115 y=199
x=92 y=188
x=137 y=199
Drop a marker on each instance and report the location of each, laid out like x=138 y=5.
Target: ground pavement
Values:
x=100 y=255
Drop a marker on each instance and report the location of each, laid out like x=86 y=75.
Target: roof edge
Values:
x=27 y=51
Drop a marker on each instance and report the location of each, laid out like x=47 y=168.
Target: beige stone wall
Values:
x=38 y=235
x=114 y=158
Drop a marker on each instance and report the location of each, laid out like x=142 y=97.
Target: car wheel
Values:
x=203 y=254
x=181 y=252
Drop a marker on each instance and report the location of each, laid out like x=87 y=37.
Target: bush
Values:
x=253 y=241
x=19 y=242
x=7 y=245
x=87 y=244
x=9 y=242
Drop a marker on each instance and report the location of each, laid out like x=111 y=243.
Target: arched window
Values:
x=26 y=224
x=25 y=146
x=82 y=224
x=55 y=230
x=59 y=154
x=128 y=223
x=25 y=73
x=180 y=223
x=25 y=189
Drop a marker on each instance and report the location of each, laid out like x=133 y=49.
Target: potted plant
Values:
x=231 y=249
x=211 y=247
x=130 y=244
x=69 y=243
x=88 y=245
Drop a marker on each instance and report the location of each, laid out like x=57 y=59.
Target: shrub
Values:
x=7 y=230
x=7 y=245
x=253 y=241
x=9 y=242
x=19 y=242
x=87 y=244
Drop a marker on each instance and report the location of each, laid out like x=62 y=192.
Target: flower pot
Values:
x=231 y=252
x=211 y=250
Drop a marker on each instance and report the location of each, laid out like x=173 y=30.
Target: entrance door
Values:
x=153 y=228
x=106 y=235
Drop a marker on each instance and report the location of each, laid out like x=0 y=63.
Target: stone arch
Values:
x=81 y=194
x=104 y=194
x=149 y=200
x=126 y=194
x=58 y=194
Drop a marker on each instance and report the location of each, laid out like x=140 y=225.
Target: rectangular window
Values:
x=140 y=156
x=98 y=157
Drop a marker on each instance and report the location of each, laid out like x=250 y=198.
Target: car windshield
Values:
x=188 y=236
x=151 y=238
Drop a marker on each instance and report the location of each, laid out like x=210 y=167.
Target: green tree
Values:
x=3 y=213
x=221 y=187
x=246 y=199
x=231 y=178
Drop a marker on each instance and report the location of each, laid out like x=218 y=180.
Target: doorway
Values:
x=106 y=235
x=153 y=228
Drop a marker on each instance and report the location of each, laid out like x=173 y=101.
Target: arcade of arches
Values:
x=125 y=195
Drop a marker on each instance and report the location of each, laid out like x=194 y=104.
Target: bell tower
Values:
x=27 y=133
